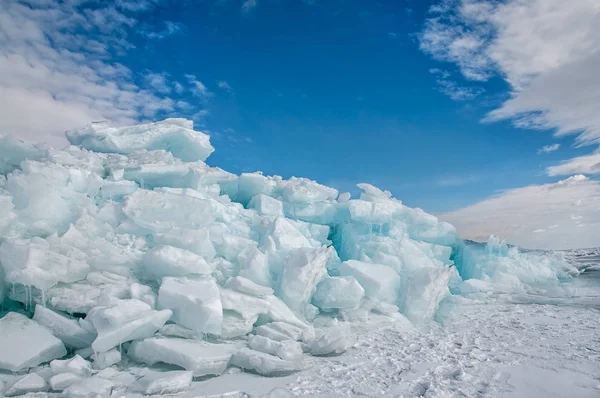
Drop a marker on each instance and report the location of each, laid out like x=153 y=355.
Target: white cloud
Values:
x=550 y=148
x=547 y=50
x=170 y=28
x=561 y=215
x=198 y=88
x=158 y=82
x=589 y=164
x=224 y=85
x=452 y=89
x=248 y=5
x=57 y=70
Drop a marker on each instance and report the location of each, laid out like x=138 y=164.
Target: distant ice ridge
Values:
x=127 y=245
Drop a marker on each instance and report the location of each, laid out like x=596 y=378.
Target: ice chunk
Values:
x=280 y=331
x=261 y=363
x=288 y=349
x=247 y=306
x=76 y=365
x=373 y=212
x=95 y=386
x=279 y=312
x=424 y=291
x=13 y=151
x=66 y=329
x=338 y=293
x=334 y=341
x=30 y=383
x=344 y=197
x=32 y=263
x=252 y=184
x=103 y=360
x=379 y=281
x=173 y=136
x=234 y=325
x=175 y=330
x=143 y=293
x=163 y=383
x=196 y=303
x=62 y=381
x=160 y=212
x=200 y=357
x=164 y=261
x=303 y=190
x=304 y=268
x=266 y=205
x=195 y=240
x=253 y=265
x=247 y=286
x=25 y=343
x=125 y=321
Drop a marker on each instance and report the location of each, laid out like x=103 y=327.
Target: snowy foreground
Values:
x=130 y=267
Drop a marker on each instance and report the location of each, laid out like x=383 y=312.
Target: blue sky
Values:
x=393 y=93
x=339 y=91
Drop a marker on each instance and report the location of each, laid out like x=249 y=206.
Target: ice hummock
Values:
x=128 y=249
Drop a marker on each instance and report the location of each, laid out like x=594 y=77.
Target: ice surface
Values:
x=25 y=343
x=262 y=363
x=173 y=135
x=248 y=307
x=29 y=383
x=379 y=281
x=423 y=292
x=33 y=263
x=103 y=360
x=95 y=386
x=334 y=341
x=76 y=365
x=266 y=205
x=164 y=383
x=200 y=357
x=164 y=261
x=62 y=381
x=338 y=293
x=125 y=321
x=280 y=331
x=68 y=330
x=196 y=303
x=302 y=271
x=195 y=240
x=247 y=286
x=288 y=350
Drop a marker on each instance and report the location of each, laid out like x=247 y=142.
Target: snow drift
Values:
x=126 y=245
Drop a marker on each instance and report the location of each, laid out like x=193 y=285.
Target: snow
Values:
x=196 y=303
x=200 y=357
x=130 y=250
x=25 y=343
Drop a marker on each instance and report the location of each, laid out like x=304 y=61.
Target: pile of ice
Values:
x=125 y=247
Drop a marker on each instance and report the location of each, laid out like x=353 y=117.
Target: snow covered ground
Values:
x=129 y=267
